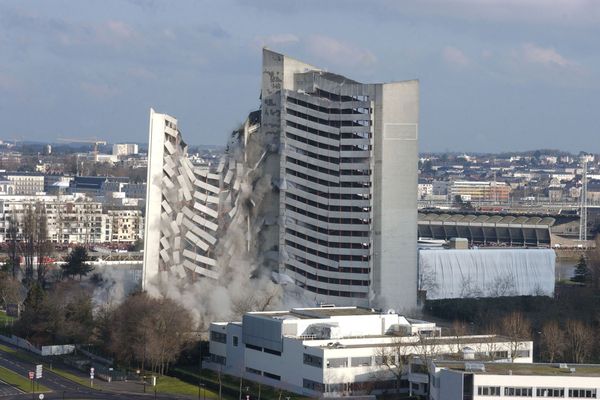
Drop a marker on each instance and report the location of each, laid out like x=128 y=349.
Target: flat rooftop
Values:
x=592 y=370
x=318 y=312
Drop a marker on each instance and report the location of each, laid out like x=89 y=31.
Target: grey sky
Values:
x=495 y=75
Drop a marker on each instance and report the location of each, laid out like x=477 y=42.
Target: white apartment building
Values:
x=73 y=219
x=333 y=351
x=124 y=149
x=126 y=225
x=480 y=191
x=26 y=183
x=450 y=380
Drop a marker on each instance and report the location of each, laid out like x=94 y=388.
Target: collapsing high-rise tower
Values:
x=319 y=186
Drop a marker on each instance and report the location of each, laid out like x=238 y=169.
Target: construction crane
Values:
x=94 y=141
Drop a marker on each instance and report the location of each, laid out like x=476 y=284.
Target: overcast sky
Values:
x=495 y=75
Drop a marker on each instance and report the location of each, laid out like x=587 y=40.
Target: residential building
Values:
x=124 y=149
x=126 y=224
x=332 y=167
x=334 y=351
x=497 y=192
x=26 y=183
x=73 y=219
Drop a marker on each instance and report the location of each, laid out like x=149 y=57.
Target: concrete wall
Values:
x=395 y=196
x=156 y=135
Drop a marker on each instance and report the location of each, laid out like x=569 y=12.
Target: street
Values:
x=63 y=388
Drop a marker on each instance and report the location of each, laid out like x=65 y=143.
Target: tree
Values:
x=147 y=329
x=427 y=349
x=517 y=329
x=76 y=263
x=394 y=358
x=552 y=341
x=10 y=289
x=11 y=237
x=29 y=232
x=43 y=246
x=579 y=341
x=582 y=273
x=78 y=321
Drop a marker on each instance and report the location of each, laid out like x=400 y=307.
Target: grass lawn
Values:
x=232 y=382
x=71 y=377
x=20 y=354
x=5 y=319
x=19 y=381
x=168 y=384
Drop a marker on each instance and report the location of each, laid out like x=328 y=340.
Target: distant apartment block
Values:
x=480 y=191
x=73 y=219
x=26 y=183
x=124 y=149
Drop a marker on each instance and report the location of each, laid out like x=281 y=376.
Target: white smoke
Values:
x=115 y=283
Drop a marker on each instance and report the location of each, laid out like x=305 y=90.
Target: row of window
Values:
x=325 y=182
x=327 y=110
x=362 y=193
x=263 y=373
x=265 y=349
x=324 y=267
x=361 y=119
x=331 y=245
x=514 y=391
x=218 y=337
x=332 y=172
x=327 y=292
x=335 y=257
x=329 y=207
x=348 y=221
x=335 y=281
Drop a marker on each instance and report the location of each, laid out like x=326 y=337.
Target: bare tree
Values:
x=579 y=341
x=11 y=237
x=552 y=341
x=517 y=329
x=29 y=233
x=427 y=348
x=458 y=330
x=43 y=246
x=394 y=358
x=147 y=329
x=10 y=289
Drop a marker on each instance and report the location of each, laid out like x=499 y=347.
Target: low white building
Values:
x=475 y=380
x=332 y=351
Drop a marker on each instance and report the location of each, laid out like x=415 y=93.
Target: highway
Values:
x=63 y=388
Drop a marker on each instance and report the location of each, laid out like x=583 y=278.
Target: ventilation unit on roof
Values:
x=475 y=367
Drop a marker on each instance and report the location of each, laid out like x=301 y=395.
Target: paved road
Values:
x=63 y=388
x=7 y=390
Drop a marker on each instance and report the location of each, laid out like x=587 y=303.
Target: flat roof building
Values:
x=331 y=351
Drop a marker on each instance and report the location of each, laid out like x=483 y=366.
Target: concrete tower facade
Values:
x=348 y=173
x=323 y=181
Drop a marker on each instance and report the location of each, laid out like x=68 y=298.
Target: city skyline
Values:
x=495 y=76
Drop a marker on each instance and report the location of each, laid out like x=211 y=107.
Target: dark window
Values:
x=312 y=360
x=218 y=337
x=272 y=376
x=274 y=352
